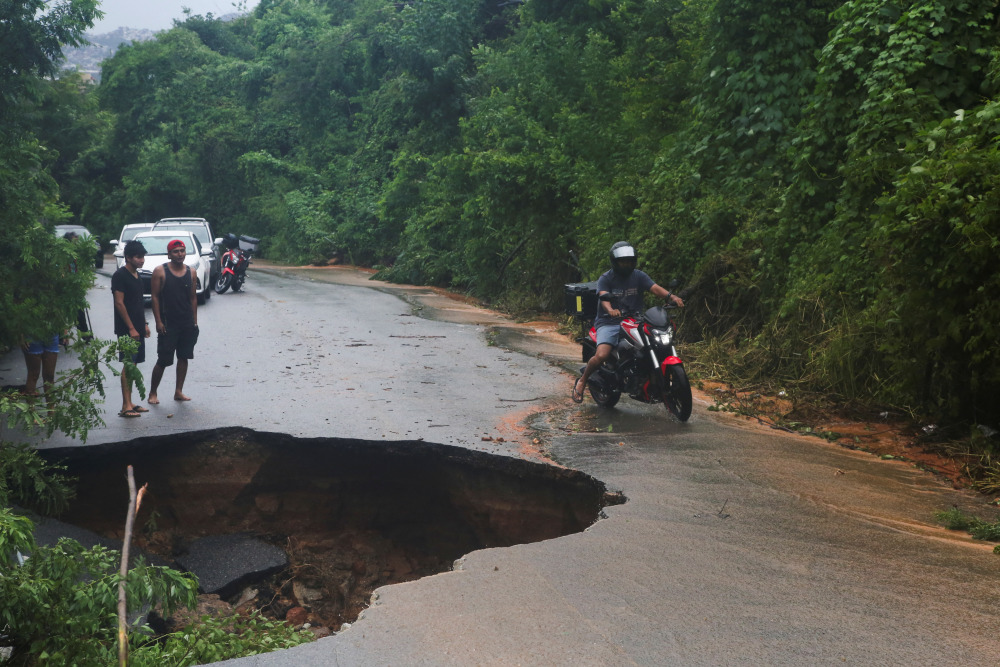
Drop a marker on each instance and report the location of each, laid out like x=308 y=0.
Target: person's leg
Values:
x=49 y=375
x=166 y=343
x=182 y=369
x=137 y=358
x=607 y=339
x=601 y=355
x=154 y=382
x=186 y=340
x=126 y=393
x=33 y=364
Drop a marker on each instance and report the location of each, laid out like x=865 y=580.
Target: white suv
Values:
x=202 y=230
x=128 y=233
x=197 y=258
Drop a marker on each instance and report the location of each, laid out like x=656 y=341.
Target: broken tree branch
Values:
x=134 y=500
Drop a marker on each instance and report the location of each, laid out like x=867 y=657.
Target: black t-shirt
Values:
x=131 y=286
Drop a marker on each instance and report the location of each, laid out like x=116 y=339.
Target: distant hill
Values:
x=88 y=59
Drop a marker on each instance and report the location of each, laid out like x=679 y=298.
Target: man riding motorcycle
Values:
x=626 y=284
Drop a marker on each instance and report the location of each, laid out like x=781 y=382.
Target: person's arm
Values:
x=155 y=286
x=194 y=297
x=133 y=331
x=664 y=293
x=608 y=308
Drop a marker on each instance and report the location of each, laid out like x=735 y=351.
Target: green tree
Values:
x=40 y=296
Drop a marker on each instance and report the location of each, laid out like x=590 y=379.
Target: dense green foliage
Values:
x=820 y=170
x=39 y=294
x=59 y=605
x=75 y=590
x=214 y=639
x=956 y=519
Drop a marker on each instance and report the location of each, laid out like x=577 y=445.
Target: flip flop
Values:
x=139 y=408
x=129 y=414
x=577 y=396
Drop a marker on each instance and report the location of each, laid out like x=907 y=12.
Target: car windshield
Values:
x=198 y=230
x=129 y=234
x=157 y=245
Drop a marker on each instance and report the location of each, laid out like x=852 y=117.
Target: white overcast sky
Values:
x=157 y=14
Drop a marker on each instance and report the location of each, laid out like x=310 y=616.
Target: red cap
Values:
x=176 y=243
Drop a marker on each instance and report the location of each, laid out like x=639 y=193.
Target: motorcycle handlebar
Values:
x=607 y=297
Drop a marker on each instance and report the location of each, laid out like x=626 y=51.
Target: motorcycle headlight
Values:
x=663 y=336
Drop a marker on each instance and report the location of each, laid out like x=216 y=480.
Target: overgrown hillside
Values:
x=824 y=173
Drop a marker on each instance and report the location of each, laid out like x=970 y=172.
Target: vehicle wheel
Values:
x=677 y=393
x=604 y=397
x=202 y=297
x=222 y=284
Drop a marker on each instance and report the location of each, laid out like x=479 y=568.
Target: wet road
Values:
x=737 y=545
x=318 y=360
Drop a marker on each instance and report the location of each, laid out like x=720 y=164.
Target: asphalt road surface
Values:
x=737 y=545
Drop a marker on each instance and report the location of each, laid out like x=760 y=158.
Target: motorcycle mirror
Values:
x=673 y=284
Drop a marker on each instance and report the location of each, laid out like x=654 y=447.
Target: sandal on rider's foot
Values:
x=577 y=395
x=129 y=414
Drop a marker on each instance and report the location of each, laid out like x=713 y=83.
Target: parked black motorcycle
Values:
x=645 y=365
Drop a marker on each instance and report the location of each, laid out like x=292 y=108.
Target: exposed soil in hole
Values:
x=352 y=516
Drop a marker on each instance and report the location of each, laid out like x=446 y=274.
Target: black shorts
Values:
x=140 y=354
x=181 y=341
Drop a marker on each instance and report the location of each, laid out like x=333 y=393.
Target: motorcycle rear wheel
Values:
x=677 y=393
x=223 y=282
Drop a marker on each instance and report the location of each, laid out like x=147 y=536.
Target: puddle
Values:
x=351 y=515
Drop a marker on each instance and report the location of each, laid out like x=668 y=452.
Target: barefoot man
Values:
x=175 y=309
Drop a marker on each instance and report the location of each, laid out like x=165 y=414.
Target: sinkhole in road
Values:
x=351 y=515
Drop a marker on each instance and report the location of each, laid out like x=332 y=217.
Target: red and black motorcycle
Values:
x=645 y=365
x=235 y=262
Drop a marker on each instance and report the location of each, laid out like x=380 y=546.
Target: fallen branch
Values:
x=134 y=501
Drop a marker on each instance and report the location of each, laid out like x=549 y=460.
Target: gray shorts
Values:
x=608 y=334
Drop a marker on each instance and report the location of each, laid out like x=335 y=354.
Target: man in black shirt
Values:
x=130 y=317
x=175 y=309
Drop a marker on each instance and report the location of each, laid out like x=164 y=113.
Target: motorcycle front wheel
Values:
x=222 y=282
x=677 y=392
